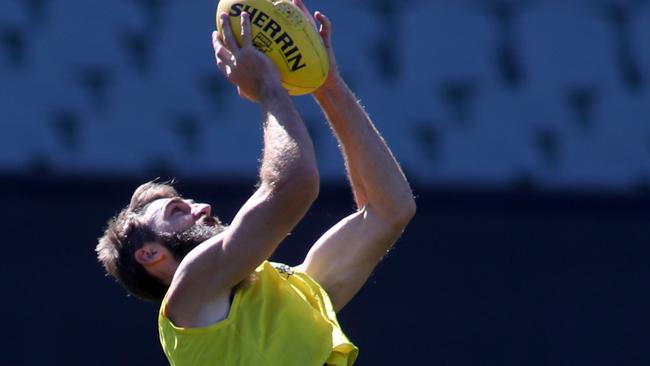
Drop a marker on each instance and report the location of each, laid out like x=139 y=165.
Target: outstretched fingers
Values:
x=325 y=28
x=326 y=35
x=246 y=33
x=220 y=49
x=221 y=53
x=237 y=58
x=227 y=35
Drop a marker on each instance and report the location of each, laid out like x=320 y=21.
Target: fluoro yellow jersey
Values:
x=281 y=317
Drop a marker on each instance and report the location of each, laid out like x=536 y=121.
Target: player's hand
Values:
x=301 y=5
x=325 y=32
x=333 y=77
x=246 y=67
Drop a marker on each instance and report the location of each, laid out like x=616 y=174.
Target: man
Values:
x=223 y=303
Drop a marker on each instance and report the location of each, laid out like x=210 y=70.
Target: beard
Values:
x=182 y=242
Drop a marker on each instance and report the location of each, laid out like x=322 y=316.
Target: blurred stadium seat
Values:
x=640 y=30
x=12 y=12
x=449 y=41
x=566 y=44
x=495 y=148
x=81 y=34
x=26 y=137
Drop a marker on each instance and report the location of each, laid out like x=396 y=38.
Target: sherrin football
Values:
x=282 y=32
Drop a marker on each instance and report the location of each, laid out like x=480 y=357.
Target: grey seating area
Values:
x=550 y=94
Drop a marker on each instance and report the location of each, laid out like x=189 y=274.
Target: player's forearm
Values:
x=374 y=173
x=288 y=157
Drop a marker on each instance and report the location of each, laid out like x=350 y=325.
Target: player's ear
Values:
x=150 y=254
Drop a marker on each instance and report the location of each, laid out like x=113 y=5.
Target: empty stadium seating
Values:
x=554 y=94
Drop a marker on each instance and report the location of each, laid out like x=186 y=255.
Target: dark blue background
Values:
x=481 y=277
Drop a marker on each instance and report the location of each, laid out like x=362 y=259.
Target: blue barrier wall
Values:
x=480 y=277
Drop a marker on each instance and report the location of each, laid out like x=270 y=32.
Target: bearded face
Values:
x=181 y=224
x=182 y=242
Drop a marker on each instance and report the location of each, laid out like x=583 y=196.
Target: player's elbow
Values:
x=310 y=184
x=404 y=212
x=303 y=185
x=396 y=216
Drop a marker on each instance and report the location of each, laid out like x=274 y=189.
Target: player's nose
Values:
x=201 y=209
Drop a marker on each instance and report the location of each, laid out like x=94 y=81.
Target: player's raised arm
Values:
x=288 y=185
x=375 y=176
x=345 y=256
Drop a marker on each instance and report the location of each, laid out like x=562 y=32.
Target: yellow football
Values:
x=282 y=32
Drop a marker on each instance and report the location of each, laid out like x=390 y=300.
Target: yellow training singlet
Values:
x=281 y=318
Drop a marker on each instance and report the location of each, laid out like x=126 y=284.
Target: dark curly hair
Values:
x=124 y=235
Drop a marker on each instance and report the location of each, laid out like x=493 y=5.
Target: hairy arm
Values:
x=375 y=177
x=288 y=186
x=343 y=258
